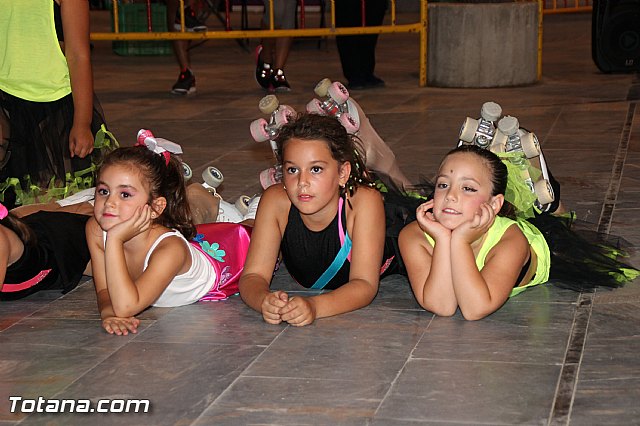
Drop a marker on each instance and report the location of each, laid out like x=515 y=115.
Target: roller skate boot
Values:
x=263 y=130
x=522 y=148
x=336 y=102
x=481 y=131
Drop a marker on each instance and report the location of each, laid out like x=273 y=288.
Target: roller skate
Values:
x=481 y=131
x=336 y=103
x=263 y=130
x=505 y=137
x=523 y=149
x=202 y=203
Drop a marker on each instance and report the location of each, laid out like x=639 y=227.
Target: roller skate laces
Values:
x=252 y=208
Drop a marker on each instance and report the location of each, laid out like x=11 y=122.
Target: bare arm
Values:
x=130 y=295
x=263 y=254
x=5 y=251
x=429 y=268
x=480 y=293
x=75 y=24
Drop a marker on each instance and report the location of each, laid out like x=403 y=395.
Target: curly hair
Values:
x=165 y=180
x=344 y=147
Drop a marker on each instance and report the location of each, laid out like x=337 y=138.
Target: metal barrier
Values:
x=545 y=7
x=567 y=6
x=418 y=27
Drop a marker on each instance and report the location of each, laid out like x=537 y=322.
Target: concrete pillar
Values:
x=482 y=44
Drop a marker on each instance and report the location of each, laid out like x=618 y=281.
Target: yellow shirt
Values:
x=32 y=65
x=534 y=237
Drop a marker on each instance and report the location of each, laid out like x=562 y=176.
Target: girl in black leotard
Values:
x=327 y=220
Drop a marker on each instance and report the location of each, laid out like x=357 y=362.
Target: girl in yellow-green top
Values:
x=464 y=252
x=47 y=114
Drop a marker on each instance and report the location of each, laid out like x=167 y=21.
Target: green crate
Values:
x=133 y=18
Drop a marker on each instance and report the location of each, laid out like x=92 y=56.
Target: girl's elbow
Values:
x=476 y=313
x=126 y=310
x=440 y=309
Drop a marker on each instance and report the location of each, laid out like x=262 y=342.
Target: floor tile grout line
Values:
x=568 y=377
x=606 y=215
x=255 y=359
x=401 y=369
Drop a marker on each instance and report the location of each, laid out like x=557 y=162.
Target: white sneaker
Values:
x=227 y=212
x=253 y=208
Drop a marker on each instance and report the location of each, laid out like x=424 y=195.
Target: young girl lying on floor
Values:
x=42 y=250
x=465 y=252
x=139 y=236
x=326 y=219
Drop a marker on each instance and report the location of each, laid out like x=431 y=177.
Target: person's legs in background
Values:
x=358 y=52
x=186 y=83
x=272 y=53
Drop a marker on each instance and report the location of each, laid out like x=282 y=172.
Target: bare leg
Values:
x=283 y=46
x=79 y=208
x=378 y=154
x=204 y=205
x=180 y=47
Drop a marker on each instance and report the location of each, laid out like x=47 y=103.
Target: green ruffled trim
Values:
x=105 y=140
x=518 y=193
x=627 y=274
x=33 y=194
x=29 y=193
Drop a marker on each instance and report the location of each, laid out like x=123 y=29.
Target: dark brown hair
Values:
x=344 y=147
x=164 y=180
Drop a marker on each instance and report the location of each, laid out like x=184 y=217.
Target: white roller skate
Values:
x=510 y=138
x=481 y=131
x=336 y=103
x=263 y=130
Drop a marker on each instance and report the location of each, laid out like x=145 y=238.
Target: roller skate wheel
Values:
x=544 y=191
x=322 y=88
x=212 y=176
x=186 y=171
x=491 y=111
x=348 y=122
x=258 y=129
x=315 y=107
x=268 y=177
x=530 y=145
x=338 y=92
x=508 y=125
x=499 y=141
x=468 y=130
x=283 y=115
x=268 y=104
x=242 y=204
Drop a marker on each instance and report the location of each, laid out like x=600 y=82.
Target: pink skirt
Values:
x=226 y=246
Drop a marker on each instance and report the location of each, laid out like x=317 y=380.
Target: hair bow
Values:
x=158 y=145
x=3 y=211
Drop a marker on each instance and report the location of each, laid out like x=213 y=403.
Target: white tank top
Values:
x=192 y=285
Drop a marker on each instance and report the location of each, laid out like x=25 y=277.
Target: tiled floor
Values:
x=549 y=356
